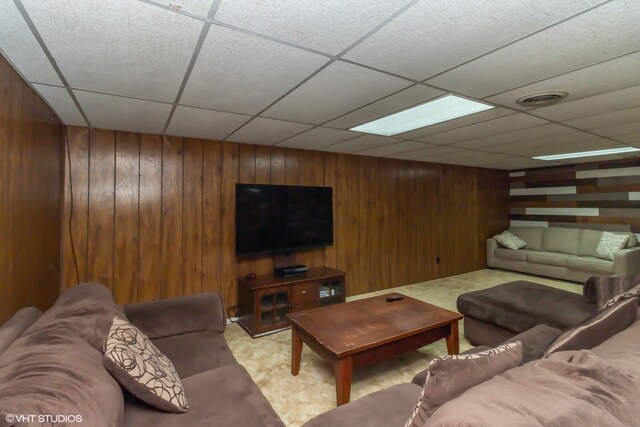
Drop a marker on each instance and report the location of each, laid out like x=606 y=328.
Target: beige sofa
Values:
x=563 y=253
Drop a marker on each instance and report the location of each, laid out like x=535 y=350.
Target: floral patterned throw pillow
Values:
x=142 y=369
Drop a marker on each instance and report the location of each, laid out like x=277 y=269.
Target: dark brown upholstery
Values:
x=390 y=407
x=478 y=332
x=600 y=289
x=535 y=341
x=181 y=315
x=196 y=352
x=225 y=396
x=518 y=306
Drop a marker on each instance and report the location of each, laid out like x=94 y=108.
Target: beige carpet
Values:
x=312 y=392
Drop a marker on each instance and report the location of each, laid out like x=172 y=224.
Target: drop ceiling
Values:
x=301 y=73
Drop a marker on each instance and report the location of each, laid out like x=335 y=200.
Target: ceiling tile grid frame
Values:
x=61 y=102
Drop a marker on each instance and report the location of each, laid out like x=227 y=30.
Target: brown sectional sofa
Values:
x=563 y=253
x=52 y=362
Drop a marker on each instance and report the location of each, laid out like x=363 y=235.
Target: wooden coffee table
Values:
x=370 y=330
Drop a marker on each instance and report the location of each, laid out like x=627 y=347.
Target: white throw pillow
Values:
x=510 y=240
x=610 y=243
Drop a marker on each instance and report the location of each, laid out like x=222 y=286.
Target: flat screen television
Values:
x=282 y=218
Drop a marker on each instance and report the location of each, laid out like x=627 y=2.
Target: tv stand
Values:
x=264 y=301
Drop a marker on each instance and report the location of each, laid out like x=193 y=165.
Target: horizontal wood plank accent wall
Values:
x=598 y=195
x=153 y=216
x=30 y=188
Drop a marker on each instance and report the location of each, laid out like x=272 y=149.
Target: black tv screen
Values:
x=282 y=218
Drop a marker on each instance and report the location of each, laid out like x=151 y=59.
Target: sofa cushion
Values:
x=142 y=369
x=568 y=389
x=196 y=352
x=450 y=376
x=562 y=240
x=86 y=310
x=531 y=235
x=597 y=328
x=509 y=240
x=631 y=293
x=55 y=372
x=589 y=240
x=521 y=305
x=511 y=255
x=611 y=243
x=535 y=341
x=591 y=264
x=421 y=377
x=389 y=407
x=17 y=325
x=548 y=258
x=226 y=396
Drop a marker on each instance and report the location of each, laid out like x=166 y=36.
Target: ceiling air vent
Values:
x=542 y=99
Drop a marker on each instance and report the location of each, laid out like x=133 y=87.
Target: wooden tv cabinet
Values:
x=264 y=302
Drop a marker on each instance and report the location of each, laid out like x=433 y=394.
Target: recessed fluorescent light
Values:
x=439 y=110
x=588 y=153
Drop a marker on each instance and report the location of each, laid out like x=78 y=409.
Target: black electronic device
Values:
x=291 y=270
x=394 y=298
x=282 y=218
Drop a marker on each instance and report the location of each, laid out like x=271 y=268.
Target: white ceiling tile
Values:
x=397 y=148
x=317 y=138
x=543 y=55
x=513 y=163
x=361 y=143
x=618 y=130
x=115 y=112
x=267 y=131
x=197 y=7
x=241 y=73
x=118 y=47
x=389 y=105
x=488 y=128
x=631 y=139
x=591 y=106
x=327 y=26
x=614 y=118
x=62 y=103
x=18 y=44
x=456 y=123
x=201 y=123
x=516 y=136
x=521 y=148
x=337 y=89
x=435 y=35
x=600 y=78
x=426 y=152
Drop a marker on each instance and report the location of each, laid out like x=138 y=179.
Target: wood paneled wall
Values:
x=599 y=195
x=154 y=216
x=30 y=189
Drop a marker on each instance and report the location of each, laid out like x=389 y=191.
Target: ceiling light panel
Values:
x=127 y=114
x=62 y=103
x=240 y=73
x=600 y=78
x=435 y=35
x=361 y=143
x=396 y=102
x=541 y=56
x=318 y=138
x=267 y=131
x=593 y=105
x=488 y=128
x=482 y=116
x=334 y=91
x=118 y=47
x=605 y=152
x=614 y=118
x=201 y=123
x=327 y=26
x=19 y=45
x=439 y=110
x=398 y=148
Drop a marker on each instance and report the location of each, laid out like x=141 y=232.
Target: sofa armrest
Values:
x=180 y=315
x=626 y=262
x=492 y=245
